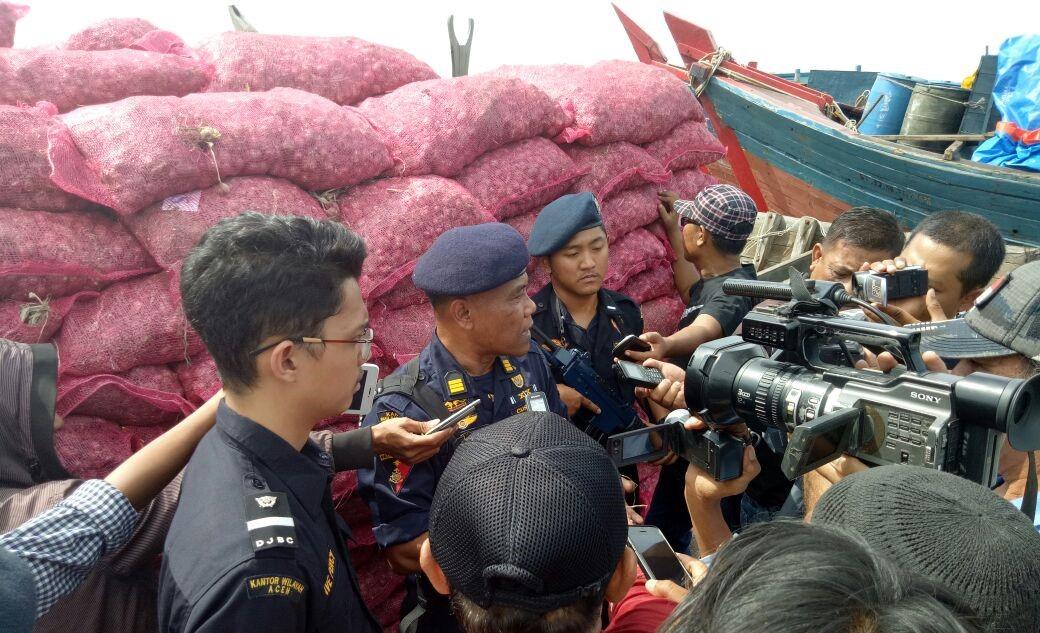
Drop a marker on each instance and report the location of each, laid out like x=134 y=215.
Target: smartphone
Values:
x=641 y=445
x=454 y=418
x=818 y=442
x=638 y=375
x=630 y=342
x=536 y=401
x=366 y=393
x=656 y=557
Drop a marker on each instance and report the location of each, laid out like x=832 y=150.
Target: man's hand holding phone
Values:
x=408 y=440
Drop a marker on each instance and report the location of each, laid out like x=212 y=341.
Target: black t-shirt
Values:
x=707 y=297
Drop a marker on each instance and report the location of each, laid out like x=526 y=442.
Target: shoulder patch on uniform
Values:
x=455 y=383
x=275 y=586
x=269 y=520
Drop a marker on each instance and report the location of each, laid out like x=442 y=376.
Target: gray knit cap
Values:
x=952 y=531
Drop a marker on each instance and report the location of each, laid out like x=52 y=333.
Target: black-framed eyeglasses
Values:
x=365 y=341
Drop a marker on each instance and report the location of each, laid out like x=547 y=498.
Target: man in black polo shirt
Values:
x=714 y=228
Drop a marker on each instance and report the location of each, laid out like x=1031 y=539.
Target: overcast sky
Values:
x=935 y=39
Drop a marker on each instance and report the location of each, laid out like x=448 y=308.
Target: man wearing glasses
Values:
x=476 y=280
x=255 y=543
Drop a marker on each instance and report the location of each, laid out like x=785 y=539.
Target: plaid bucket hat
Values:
x=722 y=210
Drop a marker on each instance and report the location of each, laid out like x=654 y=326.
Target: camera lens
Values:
x=735 y=382
x=1003 y=404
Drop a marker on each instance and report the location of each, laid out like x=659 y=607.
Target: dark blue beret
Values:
x=471 y=259
x=561 y=220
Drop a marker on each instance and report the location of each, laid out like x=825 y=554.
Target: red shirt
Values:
x=639 y=611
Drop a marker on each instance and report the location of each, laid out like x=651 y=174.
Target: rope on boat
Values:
x=713 y=61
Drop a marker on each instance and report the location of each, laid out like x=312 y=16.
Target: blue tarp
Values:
x=1016 y=95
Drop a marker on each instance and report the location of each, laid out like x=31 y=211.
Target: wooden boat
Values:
x=786 y=150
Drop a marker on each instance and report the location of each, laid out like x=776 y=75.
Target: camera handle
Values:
x=904 y=343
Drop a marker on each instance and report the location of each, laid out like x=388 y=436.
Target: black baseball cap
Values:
x=1005 y=320
x=529 y=513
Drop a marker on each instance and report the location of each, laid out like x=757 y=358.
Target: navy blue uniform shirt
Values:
x=255 y=544
x=617 y=315
x=400 y=496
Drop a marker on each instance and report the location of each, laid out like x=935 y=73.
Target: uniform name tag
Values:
x=269 y=520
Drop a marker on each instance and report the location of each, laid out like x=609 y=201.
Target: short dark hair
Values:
x=573 y=618
x=970 y=234
x=254 y=276
x=867 y=228
x=792 y=577
x=728 y=246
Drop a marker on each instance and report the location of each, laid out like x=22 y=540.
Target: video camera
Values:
x=930 y=419
x=716 y=452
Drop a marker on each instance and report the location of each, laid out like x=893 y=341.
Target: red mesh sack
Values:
x=400 y=218
x=90 y=447
x=614 y=100
x=36 y=320
x=404 y=294
x=656 y=229
x=654 y=282
x=402 y=334
x=164 y=42
x=346 y=70
x=9 y=14
x=171 y=228
x=138 y=151
x=689 y=182
x=519 y=177
x=71 y=79
x=110 y=34
x=199 y=378
x=689 y=144
x=24 y=168
x=537 y=278
x=662 y=314
x=133 y=323
x=58 y=254
x=524 y=223
x=628 y=210
x=615 y=167
x=630 y=255
x=442 y=125
x=144 y=396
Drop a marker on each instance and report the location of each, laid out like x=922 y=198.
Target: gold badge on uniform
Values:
x=331 y=578
x=467 y=421
x=454 y=383
x=518 y=380
x=506 y=365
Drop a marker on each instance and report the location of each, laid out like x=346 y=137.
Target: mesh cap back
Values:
x=529 y=513
x=949 y=529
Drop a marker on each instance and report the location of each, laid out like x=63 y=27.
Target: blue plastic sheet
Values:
x=1016 y=95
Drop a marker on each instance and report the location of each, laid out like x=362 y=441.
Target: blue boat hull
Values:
x=788 y=135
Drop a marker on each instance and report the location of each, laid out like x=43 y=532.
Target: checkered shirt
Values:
x=63 y=544
x=722 y=210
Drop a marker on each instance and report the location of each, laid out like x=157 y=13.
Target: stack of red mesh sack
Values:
x=122 y=146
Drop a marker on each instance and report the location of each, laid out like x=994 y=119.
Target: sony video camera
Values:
x=930 y=419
